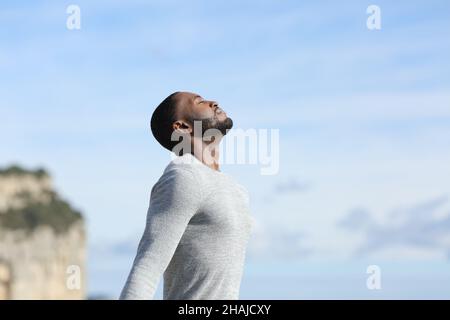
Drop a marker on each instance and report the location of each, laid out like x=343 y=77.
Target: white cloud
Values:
x=419 y=230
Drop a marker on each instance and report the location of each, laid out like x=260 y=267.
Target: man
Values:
x=198 y=221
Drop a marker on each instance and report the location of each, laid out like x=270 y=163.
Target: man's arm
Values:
x=174 y=199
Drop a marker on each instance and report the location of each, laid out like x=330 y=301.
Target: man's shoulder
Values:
x=182 y=169
x=184 y=165
x=179 y=169
x=182 y=179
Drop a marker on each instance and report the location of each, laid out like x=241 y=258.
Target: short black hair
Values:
x=162 y=119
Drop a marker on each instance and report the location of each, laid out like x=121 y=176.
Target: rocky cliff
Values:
x=42 y=239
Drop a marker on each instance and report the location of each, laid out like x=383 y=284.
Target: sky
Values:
x=363 y=118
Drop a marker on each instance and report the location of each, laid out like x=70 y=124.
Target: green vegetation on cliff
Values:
x=55 y=213
x=17 y=170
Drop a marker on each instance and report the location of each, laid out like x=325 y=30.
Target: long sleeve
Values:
x=174 y=199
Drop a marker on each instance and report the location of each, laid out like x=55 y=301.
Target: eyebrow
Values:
x=196 y=97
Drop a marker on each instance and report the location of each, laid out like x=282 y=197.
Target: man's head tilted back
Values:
x=179 y=111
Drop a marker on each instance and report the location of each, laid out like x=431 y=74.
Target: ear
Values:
x=182 y=127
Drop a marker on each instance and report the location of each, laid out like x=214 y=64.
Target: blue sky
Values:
x=363 y=117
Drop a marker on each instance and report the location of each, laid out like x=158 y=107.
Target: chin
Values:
x=224 y=125
x=228 y=122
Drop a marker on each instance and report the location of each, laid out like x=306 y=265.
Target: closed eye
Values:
x=199 y=98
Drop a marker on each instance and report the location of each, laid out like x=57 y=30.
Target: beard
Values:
x=213 y=123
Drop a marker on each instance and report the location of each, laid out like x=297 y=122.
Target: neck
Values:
x=208 y=154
